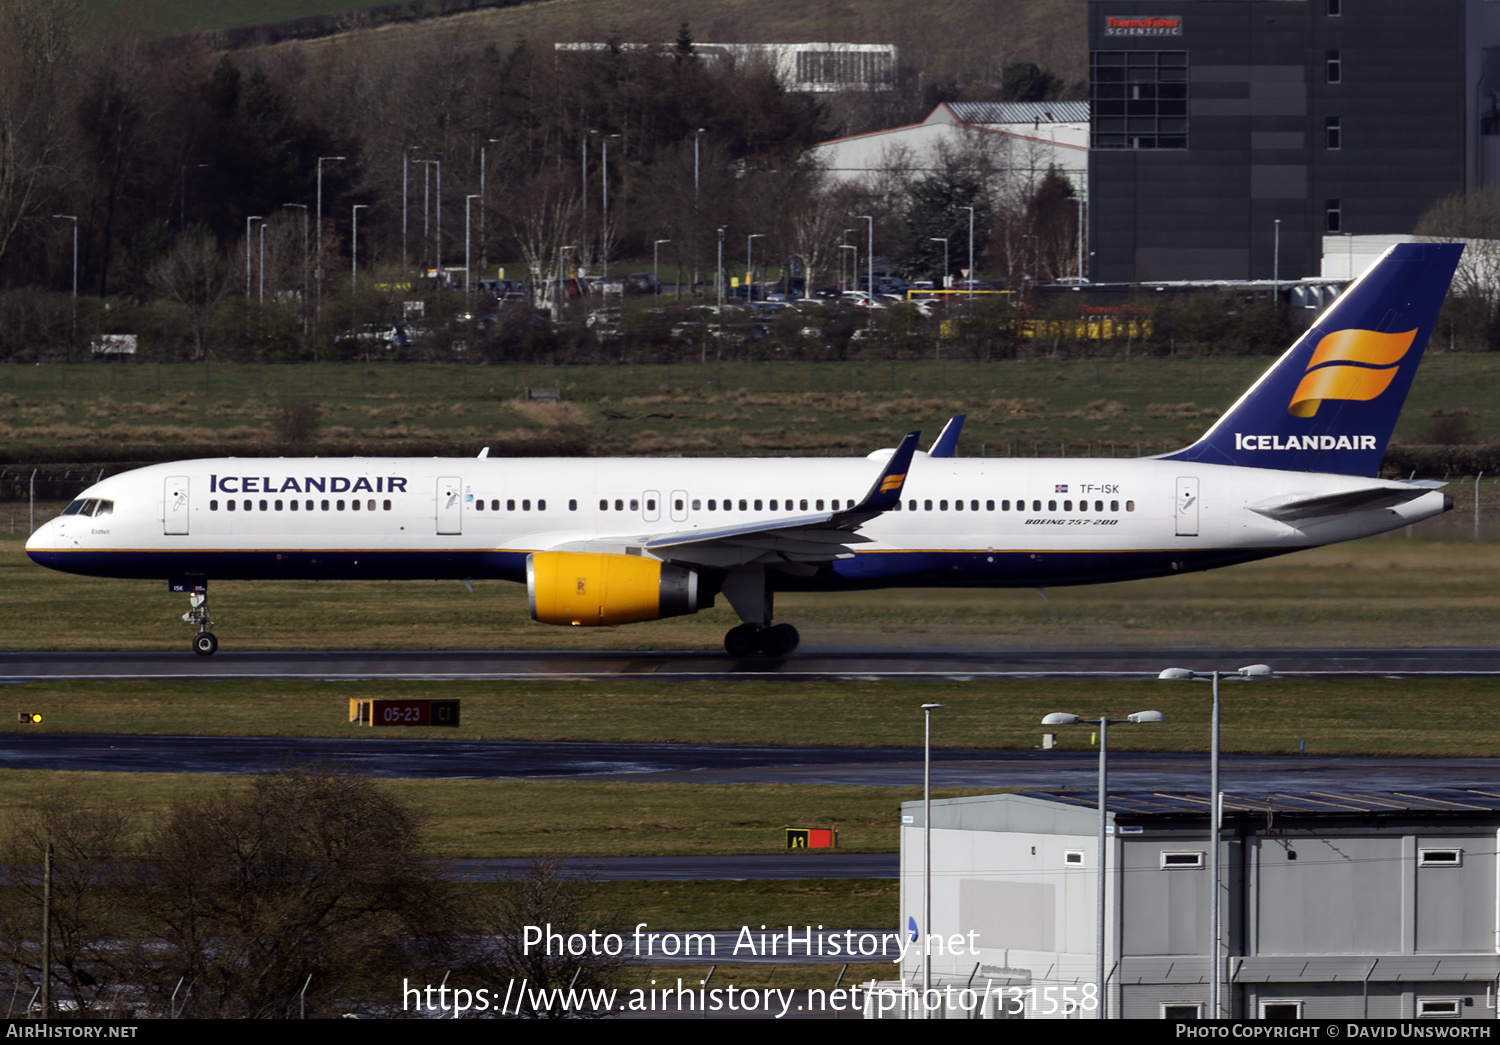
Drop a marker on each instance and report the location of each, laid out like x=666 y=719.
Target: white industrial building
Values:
x=1023 y=139
x=1373 y=904
x=813 y=68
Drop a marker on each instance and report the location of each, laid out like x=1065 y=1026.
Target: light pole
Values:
x=750 y=266
x=1058 y=718
x=1216 y=812
x=719 y=273
x=1276 y=264
x=557 y=314
x=944 y=241
x=468 y=202
x=971 y=254
x=484 y=203
x=261 y=264
x=321 y=161
x=697 y=137
x=1079 y=201
x=354 y=245
x=426 y=209
x=926 y=931
x=854 y=264
x=183 y=193
x=870 y=256
x=437 y=206
x=248 y=239
x=656 y=267
x=405 y=155
x=604 y=191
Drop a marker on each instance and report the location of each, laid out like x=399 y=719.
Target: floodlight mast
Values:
x=1216 y=811
x=1063 y=718
x=926 y=931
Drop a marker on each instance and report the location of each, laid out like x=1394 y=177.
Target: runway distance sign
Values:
x=404 y=712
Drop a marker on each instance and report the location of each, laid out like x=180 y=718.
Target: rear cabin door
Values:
x=1187 y=506
x=175 y=505
x=450 y=507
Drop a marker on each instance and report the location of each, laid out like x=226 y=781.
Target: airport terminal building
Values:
x=1334 y=905
x=1212 y=120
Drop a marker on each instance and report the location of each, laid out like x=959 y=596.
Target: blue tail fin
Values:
x=1330 y=403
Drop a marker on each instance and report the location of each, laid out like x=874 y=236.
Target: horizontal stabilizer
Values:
x=1339 y=503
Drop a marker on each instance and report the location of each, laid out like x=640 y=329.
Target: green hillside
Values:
x=959 y=38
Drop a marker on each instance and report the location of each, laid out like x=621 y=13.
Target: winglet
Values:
x=885 y=494
x=947 y=441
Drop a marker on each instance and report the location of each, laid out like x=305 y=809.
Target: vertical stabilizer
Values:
x=1331 y=402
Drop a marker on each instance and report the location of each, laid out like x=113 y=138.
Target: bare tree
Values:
x=311 y=881
x=88 y=836
x=194 y=277
x=544 y=897
x=37 y=39
x=1474 y=218
x=545 y=219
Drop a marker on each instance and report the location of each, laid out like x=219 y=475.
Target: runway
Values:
x=688 y=666
x=730 y=764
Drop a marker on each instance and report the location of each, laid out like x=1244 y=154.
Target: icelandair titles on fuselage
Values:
x=1303 y=442
x=307 y=484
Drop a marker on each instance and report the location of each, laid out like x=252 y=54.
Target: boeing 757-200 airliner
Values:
x=1291 y=465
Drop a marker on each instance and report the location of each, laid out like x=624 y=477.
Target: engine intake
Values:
x=592 y=589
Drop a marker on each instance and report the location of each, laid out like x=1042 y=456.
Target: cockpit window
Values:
x=93 y=507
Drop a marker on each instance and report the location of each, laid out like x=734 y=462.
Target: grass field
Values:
x=1025 y=408
x=956 y=38
x=532 y=818
x=1371 y=716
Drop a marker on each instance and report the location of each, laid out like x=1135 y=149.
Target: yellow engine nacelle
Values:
x=589 y=589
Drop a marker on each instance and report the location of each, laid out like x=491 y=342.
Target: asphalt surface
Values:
x=959 y=665
x=729 y=764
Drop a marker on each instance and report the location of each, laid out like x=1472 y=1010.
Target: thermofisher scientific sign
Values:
x=1143 y=25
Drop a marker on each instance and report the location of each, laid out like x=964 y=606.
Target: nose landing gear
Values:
x=204 y=642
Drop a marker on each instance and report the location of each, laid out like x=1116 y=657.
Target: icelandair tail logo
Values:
x=892 y=482
x=1350 y=364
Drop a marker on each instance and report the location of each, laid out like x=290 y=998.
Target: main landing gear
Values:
x=746 y=640
x=750 y=595
x=204 y=642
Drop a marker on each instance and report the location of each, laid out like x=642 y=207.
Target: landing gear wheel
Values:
x=204 y=643
x=779 y=640
x=743 y=640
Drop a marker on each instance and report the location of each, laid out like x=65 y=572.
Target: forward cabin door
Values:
x=1187 y=506
x=175 y=505
x=450 y=506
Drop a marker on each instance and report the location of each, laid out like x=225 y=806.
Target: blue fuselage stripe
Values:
x=867 y=570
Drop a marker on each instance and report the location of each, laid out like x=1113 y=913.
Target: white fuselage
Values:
x=964 y=522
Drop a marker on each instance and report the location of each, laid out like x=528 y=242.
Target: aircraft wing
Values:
x=1303 y=508
x=796 y=544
